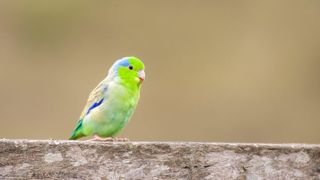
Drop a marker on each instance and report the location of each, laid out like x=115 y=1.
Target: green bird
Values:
x=112 y=103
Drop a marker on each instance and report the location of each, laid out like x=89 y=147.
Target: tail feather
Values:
x=77 y=133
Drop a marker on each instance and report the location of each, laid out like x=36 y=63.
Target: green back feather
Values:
x=77 y=133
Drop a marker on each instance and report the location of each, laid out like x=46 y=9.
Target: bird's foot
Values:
x=98 y=138
x=121 y=139
x=109 y=139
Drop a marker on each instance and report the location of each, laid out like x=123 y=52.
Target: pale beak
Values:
x=142 y=75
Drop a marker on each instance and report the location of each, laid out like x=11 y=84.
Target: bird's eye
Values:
x=130 y=67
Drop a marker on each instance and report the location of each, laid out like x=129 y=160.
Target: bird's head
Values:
x=130 y=69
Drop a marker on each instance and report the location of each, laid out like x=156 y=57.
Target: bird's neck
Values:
x=132 y=84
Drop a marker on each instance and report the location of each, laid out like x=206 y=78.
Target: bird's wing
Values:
x=95 y=99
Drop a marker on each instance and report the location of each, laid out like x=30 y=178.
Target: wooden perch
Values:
x=38 y=159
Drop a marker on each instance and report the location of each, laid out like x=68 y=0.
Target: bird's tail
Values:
x=77 y=133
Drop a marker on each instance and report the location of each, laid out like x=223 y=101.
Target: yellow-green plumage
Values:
x=111 y=104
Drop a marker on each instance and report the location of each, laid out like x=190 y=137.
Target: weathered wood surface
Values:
x=52 y=159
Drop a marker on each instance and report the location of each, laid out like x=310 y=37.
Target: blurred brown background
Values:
x=233 y=71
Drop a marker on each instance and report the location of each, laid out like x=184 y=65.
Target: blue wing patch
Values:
x=96 y=104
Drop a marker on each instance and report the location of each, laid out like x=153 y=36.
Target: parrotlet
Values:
x=112 y=103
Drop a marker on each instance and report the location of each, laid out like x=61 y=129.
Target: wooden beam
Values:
x=38 y=159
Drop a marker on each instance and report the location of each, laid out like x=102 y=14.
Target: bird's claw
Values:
x=122 y=139
x=109 y=139
x=101 y=139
